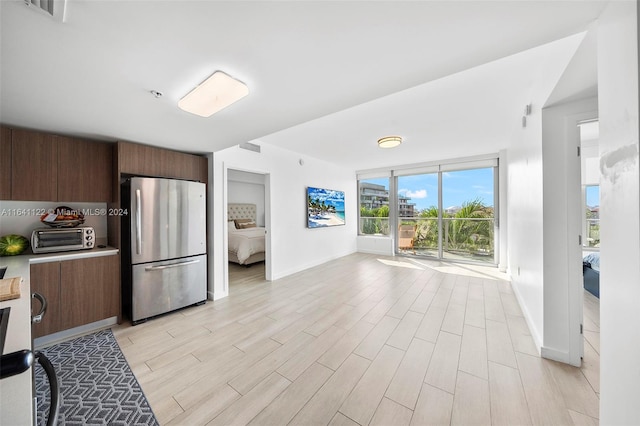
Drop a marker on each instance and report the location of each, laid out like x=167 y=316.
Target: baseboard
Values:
x=217 y=296
x=306 y=266
x=64 y=335
x=556 y=355
x=537 y=338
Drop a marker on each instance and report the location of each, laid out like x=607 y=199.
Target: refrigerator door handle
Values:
x=174 y=265
x=138 y=222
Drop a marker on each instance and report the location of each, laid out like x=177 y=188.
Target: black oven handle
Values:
x=54 y=387
x=37 y=318
x=15 y=363
x=20 y=361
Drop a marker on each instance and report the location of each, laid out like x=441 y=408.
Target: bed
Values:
x=591 y=273
x=245 y=237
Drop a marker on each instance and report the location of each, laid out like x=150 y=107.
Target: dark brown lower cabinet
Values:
x=78 y=292
x=45 y=279
x=89 y=290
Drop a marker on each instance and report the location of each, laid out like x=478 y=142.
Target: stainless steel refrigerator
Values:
x=164 y=246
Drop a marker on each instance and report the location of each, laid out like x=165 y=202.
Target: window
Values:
x=447 y=211
x=374 y=206
x=592 y=216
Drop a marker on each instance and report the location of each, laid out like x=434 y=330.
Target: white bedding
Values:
x=245 y=242
x=594 y=259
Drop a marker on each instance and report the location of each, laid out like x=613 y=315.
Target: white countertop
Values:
x=16 y=392
x=68 y=255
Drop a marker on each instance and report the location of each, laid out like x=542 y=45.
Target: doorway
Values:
x=247 y=213
x=590 y=221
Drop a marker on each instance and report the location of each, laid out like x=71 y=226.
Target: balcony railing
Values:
x=374 y=225
x=463 y=238
x=469 y=238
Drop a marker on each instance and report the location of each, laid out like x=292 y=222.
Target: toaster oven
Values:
x=49 y=240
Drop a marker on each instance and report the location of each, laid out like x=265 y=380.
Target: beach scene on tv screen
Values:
x=325 y=207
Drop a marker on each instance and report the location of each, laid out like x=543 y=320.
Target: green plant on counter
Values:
x=13 y=245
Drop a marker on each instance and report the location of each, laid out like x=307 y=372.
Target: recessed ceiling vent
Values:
x=53 y=8
x=250 y=146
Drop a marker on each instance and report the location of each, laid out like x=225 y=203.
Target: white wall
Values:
x=292 y=247
x=245 y=187
x=503 y=218
x=562 y=216
x=526 y=205
x=21 y=224
x=619 y=214
x=524 y=214
x=375 y=245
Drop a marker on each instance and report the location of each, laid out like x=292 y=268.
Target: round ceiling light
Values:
x=389 y=141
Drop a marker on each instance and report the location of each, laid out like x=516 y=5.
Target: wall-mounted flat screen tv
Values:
x=325 y=207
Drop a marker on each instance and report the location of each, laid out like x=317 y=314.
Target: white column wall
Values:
x=524 y=214
x=619 y=214
x=525 y=206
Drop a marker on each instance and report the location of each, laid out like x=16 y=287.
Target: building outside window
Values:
x=374 y=206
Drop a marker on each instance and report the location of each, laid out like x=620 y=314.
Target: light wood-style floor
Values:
x=362 y=340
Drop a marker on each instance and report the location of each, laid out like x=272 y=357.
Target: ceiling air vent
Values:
x=53 y=8
x=250 y=146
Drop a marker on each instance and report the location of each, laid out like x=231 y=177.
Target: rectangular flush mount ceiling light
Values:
x=215 y=93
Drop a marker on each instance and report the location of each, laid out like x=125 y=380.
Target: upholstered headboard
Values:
x=241 y=211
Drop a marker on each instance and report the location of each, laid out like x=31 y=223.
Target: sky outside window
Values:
x=422 y=189
x=458 y=187
x=463 y=186
x=593 y=195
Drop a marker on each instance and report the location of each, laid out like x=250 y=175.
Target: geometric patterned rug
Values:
x=96 y=384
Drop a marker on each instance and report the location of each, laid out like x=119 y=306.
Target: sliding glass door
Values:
x=468 y=215
x=448 y=213
x=417 y=215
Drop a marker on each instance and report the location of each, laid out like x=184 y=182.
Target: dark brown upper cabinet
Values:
x=85 y=170
x=5 y=163
x=34 y=166
x=144 y=160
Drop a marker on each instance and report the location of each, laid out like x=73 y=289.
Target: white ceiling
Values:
x=326 y=79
